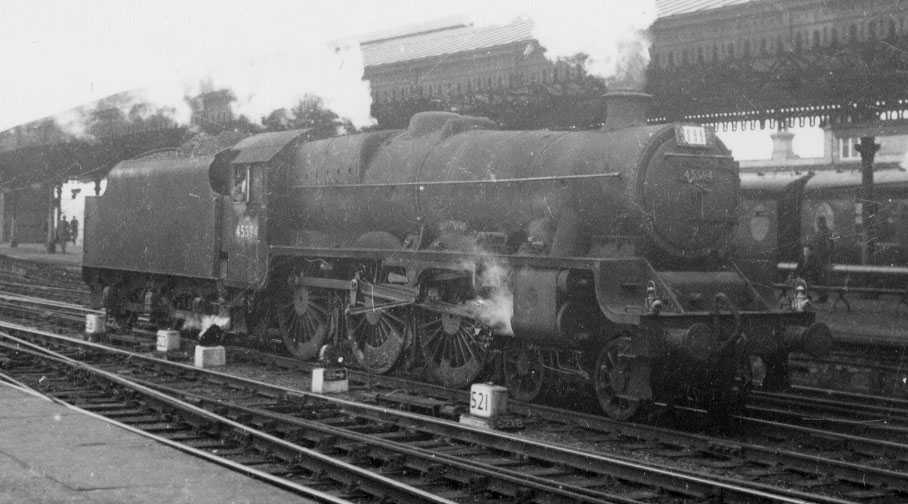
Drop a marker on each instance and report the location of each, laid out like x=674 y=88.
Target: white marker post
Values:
x=95 y=326
x=168 y=340
x=489 y=408
x=331 y=380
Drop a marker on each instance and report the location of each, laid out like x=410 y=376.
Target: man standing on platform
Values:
x=74 y=230
x=822 y=247
x=62 y=233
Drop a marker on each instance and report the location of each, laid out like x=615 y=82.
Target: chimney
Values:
x=625 y=109
x=782 y=146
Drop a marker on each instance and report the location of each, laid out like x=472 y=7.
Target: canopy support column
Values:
x=868 y=149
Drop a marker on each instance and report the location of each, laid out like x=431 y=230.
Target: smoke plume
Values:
x=612 y=33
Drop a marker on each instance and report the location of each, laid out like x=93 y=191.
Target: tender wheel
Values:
x=524 y=373
x=612 y=380
x=378 y=337
x=455 y=348
x=304 y=319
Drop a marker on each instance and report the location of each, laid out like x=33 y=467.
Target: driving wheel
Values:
x=378 y=337
x=455 y=348
x=612 y=379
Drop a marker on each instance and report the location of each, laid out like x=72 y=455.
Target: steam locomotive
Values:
x=550 y=259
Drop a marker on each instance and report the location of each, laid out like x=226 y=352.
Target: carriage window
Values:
x=240 y=183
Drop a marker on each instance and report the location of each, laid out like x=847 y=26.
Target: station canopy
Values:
x=52 y=151
x=772 y=63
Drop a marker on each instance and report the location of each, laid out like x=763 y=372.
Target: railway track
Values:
x=189 y=428
x=472 y=460
x=254 y=403
x=828 y=461
x=867 y=369
x=805 y=457
x=69 y=314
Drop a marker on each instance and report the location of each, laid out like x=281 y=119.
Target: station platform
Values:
x=50 y=453
x=880 y=321
x=37 y=252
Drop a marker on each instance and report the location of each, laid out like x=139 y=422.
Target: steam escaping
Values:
x=279 y=79
x=494 y=305
x=204 y=322
x=611 y=33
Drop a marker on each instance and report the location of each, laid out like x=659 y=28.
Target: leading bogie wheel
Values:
x=524 y=372
x=612 y=379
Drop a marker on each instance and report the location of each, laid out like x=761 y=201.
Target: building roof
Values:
x=443 y=42
x=665 y=8
x=455 y=35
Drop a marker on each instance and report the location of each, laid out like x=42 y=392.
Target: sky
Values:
x=64 y=53
x=61 y=54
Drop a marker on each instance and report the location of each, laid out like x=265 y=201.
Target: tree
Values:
x=309 y=113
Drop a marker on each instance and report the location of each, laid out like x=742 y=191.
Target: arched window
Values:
x=816 y=38
x=798 y=42
x=871 y=30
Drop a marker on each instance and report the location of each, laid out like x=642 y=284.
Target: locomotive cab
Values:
x=242 y=176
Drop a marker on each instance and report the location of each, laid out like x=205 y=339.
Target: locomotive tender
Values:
x=564 y=258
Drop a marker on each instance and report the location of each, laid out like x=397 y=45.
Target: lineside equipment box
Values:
x=210 y=356
x=168 y=340
x=95 y=324
x=329 y=380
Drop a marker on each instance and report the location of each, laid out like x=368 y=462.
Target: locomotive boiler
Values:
x=459 y=251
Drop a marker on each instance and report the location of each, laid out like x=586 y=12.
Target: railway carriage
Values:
x=546 y=259
x=779 y=213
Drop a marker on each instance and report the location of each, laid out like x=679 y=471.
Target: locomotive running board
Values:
x=404 y=257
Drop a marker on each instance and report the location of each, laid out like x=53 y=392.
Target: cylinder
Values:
x=815 y=340
x=696 y=342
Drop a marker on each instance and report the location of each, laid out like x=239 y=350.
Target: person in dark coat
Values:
x=74 y=229
x=62 y=233
x=822 y=242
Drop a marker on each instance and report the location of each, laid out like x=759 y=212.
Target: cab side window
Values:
x=240 y=192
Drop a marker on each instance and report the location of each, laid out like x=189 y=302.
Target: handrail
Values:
x=854 y=269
